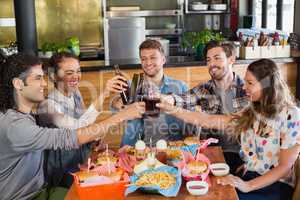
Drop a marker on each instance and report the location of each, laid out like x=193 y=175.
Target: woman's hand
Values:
x=235 y=181
x=167 y=107
x=133 y=111
x=241 y=170
x=117 y=84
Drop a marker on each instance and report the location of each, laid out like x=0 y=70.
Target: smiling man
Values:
x=222 y=94
x=22 y=141
x=165 y=126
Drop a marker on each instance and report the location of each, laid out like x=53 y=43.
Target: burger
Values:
x=174 y=154
x=92 y=176
x=177 y=143
x=115 y=176
x=85 y=175
x=191 y=140
x=130 y=150
x=105 y=160
x=197 y=167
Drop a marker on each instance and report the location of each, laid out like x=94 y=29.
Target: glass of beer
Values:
x=151 y=98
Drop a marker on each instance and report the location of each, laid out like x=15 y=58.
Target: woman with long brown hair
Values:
x=268 y=130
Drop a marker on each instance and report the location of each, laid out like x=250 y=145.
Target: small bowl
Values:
x=219 y=169
x=199 y=7
x=218 y=6
x=197 y=187
x=170 y=26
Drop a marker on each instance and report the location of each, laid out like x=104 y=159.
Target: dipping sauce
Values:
x=218 y=168
x=197 y=187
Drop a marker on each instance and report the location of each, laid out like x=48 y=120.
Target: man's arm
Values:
x=197 y=118
x=94 y=131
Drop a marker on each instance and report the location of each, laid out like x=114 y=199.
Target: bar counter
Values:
x=172 y=61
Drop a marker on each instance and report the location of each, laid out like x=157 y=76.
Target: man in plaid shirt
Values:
x=223 y=94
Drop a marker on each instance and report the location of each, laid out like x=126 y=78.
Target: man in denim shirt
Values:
x=165 y=126
x=223 y=94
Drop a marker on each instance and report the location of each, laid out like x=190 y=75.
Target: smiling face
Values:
x=152 y=61
x=219 y=65
x=252 y=87
x=33 y=89
x=68 y=75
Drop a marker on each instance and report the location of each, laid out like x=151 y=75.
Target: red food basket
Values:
x=114 y=191
x=109 y=191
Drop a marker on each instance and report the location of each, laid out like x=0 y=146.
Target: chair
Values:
x=296 y=195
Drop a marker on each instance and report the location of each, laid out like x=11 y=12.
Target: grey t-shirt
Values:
x=21 y=153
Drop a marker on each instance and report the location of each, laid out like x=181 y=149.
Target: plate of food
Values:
x=164 y=180
x=195 y=168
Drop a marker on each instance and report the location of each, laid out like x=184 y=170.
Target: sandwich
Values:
x=197 y=167
x=177 y=143
x=86 y=175
x=106 y=160
x=191 y=140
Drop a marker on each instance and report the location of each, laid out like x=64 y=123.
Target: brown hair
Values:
x=275 y=96
x=152 y=44
x=15 y=66
x=227 y=47
x=58 y=58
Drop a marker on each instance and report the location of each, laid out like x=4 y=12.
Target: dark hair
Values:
x=152 y=44
x=58 y=58
x=227 y=47
x=16 y=66
x=275 y=95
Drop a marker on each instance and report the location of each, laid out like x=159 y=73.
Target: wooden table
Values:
x=216 y=192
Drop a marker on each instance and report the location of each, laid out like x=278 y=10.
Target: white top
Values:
x=65 y=113
x=261 y=151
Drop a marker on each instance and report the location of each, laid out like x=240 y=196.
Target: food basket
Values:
x=106 y=191
x=109 y=191
x=170 y=191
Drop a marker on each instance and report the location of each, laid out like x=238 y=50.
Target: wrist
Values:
x=250 y=186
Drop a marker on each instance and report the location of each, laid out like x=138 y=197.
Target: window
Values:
x=274 y=14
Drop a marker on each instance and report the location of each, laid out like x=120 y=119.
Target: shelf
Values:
x=177 y=31
x=207 y=12
x=144 y=13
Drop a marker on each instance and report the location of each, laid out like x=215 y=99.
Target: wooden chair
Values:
x=296 y=195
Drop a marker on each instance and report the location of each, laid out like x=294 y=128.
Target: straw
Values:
x=150 y=144
x=89 y=164
x=108 y=160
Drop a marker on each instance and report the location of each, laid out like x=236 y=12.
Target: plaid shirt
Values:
x=213 y=100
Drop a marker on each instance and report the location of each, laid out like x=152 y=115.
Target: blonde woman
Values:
x=268 y=130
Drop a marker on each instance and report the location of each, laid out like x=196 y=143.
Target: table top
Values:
x=216 y=191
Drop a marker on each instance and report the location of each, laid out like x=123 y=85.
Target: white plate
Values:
x=203 y=190
x=219 y=169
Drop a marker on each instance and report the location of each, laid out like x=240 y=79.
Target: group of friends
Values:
x=42 y=140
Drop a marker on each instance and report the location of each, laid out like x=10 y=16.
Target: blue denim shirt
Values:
x=164 y=127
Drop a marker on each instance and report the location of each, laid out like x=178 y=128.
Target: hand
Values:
x=167 y=99
x=168 y=108
x=235 y=181
x=133 y=111
x=116 y=85
x=242 y=169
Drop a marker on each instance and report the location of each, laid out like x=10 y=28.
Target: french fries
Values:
x=162 y=179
